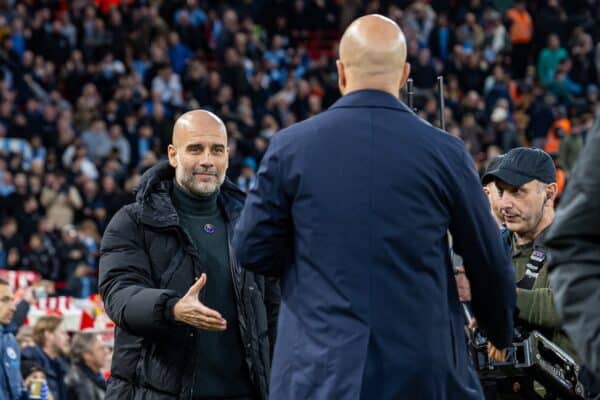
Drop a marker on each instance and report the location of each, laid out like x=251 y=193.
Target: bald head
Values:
x=199 y=152
x=373 y=55
x=196 y=121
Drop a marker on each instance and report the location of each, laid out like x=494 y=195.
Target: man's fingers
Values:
x=498 y=356
x=197 y=286
x=202 y=314
x=205 y=322
x=464 y=288
x=495 y=354
x=462 y=284
x=502 y=354
x=209 y=312
x=210 y=320
x=212 y=329
x=210 y=325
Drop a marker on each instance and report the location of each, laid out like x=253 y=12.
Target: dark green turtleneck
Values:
x=221 y=370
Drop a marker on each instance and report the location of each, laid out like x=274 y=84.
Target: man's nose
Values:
x=504 y=201
x=206 y=159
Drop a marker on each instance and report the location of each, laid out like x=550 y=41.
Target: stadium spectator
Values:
x=84 y=380
x=521 y=35
x=51 y=346
x=91 y=88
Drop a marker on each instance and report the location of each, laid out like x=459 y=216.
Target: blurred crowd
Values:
x=43 y=361
x=89 y=91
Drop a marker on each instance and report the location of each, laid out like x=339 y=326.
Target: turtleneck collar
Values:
x=188 y=203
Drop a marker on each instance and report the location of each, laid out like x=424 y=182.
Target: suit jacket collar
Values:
x=370 y=98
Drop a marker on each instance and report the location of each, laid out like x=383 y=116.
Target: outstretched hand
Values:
x=191 y=311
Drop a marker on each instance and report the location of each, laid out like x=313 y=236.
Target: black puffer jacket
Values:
x=147 y=260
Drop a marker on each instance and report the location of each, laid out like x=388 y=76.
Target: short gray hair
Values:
x=82 y=343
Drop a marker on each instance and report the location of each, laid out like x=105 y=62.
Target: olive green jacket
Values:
x=536 y=306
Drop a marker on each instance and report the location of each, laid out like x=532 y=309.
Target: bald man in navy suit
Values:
x=352 y=209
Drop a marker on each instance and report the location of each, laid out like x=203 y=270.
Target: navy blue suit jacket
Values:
x=352 y=209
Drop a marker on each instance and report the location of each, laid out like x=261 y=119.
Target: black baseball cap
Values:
x=522 y=165
x=493 y=164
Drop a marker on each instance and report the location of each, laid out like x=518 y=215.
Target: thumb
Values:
x=197 y=286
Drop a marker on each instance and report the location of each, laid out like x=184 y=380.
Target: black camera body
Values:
x=534 y=355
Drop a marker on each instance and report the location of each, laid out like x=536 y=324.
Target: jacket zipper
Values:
x=241 y=309
x=232 y=268
x=186 y=240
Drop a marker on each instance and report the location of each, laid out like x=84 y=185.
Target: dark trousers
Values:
x=520 y=59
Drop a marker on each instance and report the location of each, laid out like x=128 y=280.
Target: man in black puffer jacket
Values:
x=191 y=324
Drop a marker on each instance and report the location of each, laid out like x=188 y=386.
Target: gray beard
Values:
x=188 y=184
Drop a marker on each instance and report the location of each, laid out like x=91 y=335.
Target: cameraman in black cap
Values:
x=525 y=181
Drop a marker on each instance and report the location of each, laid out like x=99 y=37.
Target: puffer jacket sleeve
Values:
x=131 y=297
x=575 y=254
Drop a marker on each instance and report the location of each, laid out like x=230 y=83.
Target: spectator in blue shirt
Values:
x=179 y=53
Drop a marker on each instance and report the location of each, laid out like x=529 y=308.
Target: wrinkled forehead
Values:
x=205 y=138
x=187 y=132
